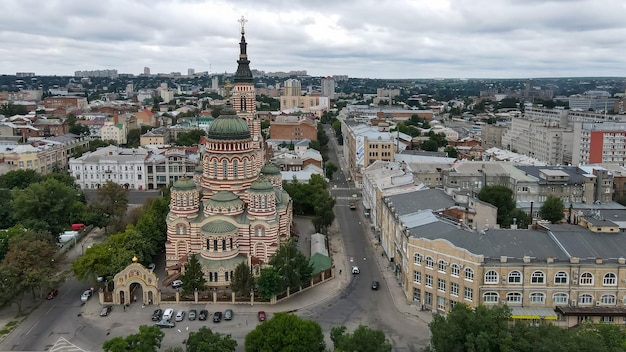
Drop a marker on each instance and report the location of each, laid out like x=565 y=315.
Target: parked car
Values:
x=86 y=295
x=375 y=285
x=157 y=315
x=217 y=317
x=355 y=270
x=352 y=205
x=167 y=314
x=228 y=314
x=177 y=283
x=180 y=315
x=261 y=316
x=53 y=293
x=192 y=314
x=165 y=324
x=106 y=310
x=203 y=314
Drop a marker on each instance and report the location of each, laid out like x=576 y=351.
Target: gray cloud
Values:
x=365 y=38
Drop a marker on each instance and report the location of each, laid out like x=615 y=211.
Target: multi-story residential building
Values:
x=385 y=95
x=491 y=135
x=78 y=103
x=156 y=136
x=293 y=128
x=95 y=126
x=41 y=157
x=166 y=166
x=117 y=132
x=146 y=117
x=125 y=167
x=545 y=141
x=293 y=100
x=328 y=87
x=596 y=100
x=599 y=143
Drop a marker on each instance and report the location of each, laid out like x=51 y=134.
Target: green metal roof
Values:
x=229 y=126
x=219 y=227
x=320 y=263
x=227 y=264
x=184 y=184
x=270 y=169
x=261 y=185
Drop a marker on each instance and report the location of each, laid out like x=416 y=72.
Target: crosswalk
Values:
x=62 y=345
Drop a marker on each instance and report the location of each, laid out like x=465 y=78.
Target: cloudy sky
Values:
x=359 y=38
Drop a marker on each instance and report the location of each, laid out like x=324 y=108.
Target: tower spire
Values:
x=243 y=74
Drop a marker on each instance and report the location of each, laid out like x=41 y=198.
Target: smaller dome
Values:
x=229 y=127
x=262 y=184
x=219 y=226
x=224 y=200
x=184 y=184
x=270 y=169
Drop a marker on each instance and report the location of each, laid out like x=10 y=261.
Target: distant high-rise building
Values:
x=328 y=87
x=215 y=81
x=191 y=72
x=25 y=74
x=146 y=70
x=293 y=88
x=130 y=88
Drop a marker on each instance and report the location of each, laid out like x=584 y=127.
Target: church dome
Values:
x=270 y=169
x=219 y=226
x=184 y=184
x=228 y=126
x=224 y=200
x=261 y=185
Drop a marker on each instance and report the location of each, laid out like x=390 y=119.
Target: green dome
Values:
x=219 y=226
x=224 y=200
x=199 y=169
x=261 y=185
x=184 y=184
x=270 y=169
x=228 y=126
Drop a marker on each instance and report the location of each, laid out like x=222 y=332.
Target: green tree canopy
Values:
x=193 y=277
x=292 y=266
x=205 y=340
x=429 y=145
x=363 y=339
x=21 y=178
x=269 y=282
x=110 y=203
x=286 y=333
x=190 y=138
x=148 y=339
x=451 y=151
x=243 y=279
x=552 y=209
x=312 y=198
x=502 y=198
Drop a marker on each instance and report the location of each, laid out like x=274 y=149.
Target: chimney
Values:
x=115 y=118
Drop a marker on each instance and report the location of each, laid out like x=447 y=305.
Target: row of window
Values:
x=108 y=168
x=557 y=298
x=515 y=276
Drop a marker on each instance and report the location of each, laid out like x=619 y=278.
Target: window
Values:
x=608 y=319
x=442 y=266
x=586 y=278
x=469 y=274
x=560 y=278
x=491 y=277
x=224 y=169
x=429 y=281
x=454 y=270
x=430 y=262
x=514 y=297
x=454 y=289
x=235 y=168
x=441 y=285
x=515 y=277
x=585 y=299
x=560 y=298
x=441 y=303
x=417 y=294
x=214 y=168
x=417 y=259
x=468 y=293
x=537 y=297
x=417 y=277
x=608 y=300
x=609 y=279
x=491 y=297
x=537 y=277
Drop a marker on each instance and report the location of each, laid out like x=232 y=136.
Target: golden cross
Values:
x=243 y=21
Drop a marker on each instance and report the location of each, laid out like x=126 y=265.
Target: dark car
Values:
x=261 y=315
x=53 y=293
x=106 y=310
x=192 y=314
x=165 y=324
x=228 y=314
x=203 y=314
x=157 y=315
x=375 y=285
x=217 y=317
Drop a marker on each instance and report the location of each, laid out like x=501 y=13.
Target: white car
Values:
x=177 y=283
x=85 y=296
x=355 y=270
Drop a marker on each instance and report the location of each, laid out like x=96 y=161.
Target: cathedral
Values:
x=234 y=210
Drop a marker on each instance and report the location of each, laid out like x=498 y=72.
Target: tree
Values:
x=429 y=145
x=110 y=203
x=10 y=109
x=6 y=213
x=148 y=339
x=552 y=209
x=243 y=279
x=21 y=178
x=364 y=339
x=330 y=170
x=268 y=282
x=133 y=140
x=452 y=152
x=45 y=206
x=502 y=198
x=286 y=333
x=292 y=266
x=193 y=277
x=190 y=138
x=205 y=340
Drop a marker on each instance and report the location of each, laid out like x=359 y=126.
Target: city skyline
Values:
x=400 y=39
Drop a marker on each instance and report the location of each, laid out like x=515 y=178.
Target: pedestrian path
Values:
x=62 y=345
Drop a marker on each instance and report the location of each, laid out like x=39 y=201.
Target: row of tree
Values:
x=312 y=199
x=283 y=332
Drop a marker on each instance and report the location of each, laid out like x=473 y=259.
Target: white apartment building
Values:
x=542 y=140
x=328 y=87
x=117 y=132
x=599 y=143
x=123 y=166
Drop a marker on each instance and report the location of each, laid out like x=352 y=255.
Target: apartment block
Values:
x=293 y=128
x=64 y=102
x=599 y=143
x=125 y=167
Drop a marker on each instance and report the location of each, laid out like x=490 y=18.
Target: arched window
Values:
x=417 y=259
x=455 y=269
x=223 y=244
x=235 y=168
x=226 y=276
x=469 y=274
x=224 y=168
x=430 y=263
x=586 y=278
x=560 y=278
x=537 y=297
x=514 y=297
x=538 y=277
x=245 y=167
x=442 y=266
x=608 y=300
x=231 y=243
x=215 y=245
x=214 y=167
x=609 y=279
x=208 y=245
x=491 y=277
x=491 y=297
x=560 y=298
x=210 y=276
x=585 y=299
x=515 y=277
